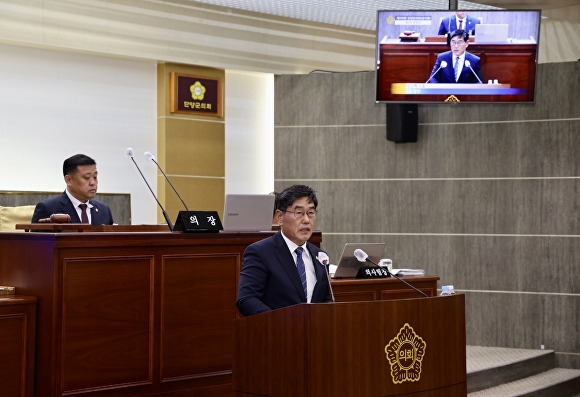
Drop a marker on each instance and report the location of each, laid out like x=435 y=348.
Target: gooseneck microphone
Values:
x=442 y=65
x=150 y=156
x=129 y=153
x=468 y=65
x=325 y=261
x=362 y=256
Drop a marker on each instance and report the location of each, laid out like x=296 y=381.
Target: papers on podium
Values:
x=408 y=272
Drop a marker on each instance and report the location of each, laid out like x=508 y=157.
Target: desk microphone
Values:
x=362 y=256
x=150 y=156
x=129 y=153
x=325 y=261
x=468 y=65
x=442 y=65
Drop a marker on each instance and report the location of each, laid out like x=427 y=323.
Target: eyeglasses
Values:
x=300 y=213
x=457 y=43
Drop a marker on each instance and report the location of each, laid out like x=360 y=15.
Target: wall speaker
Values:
x=402 y=122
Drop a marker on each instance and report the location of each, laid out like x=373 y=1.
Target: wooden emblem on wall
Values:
x=195 y=95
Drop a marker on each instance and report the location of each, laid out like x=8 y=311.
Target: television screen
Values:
x=456 y=56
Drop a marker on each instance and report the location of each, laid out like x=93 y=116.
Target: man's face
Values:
x=461 y=14
x=458 y=46
x=295 y=222
x=82 y=184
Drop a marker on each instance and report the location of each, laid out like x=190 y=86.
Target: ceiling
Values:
x=361 y=14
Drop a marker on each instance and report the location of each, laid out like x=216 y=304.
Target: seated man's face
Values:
x=83 y=183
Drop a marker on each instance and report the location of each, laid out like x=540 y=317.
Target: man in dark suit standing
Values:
x=460 y=20
x=80 y=174
x=457 y=65
x=270 y=277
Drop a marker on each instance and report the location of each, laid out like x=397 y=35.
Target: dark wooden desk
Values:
x=17 y=333
x=130 y=313
x=124 y=313
x=353 y=290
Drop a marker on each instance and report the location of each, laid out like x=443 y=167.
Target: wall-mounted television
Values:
x=496 y=53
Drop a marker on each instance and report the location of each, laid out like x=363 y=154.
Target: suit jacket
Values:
x=269 y=279
x=449 y=24
x=447 y=74
x=100 y=213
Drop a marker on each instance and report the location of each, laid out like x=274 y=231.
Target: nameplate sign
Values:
x=372 y=272
x=198 y=221
x=195 y=95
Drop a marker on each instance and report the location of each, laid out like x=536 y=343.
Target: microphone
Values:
x=129 y=153
x=150 y=156
x=442 y=65
x=468 y=65
x=325 y=261
x=362 y=256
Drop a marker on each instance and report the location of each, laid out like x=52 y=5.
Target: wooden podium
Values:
x=409 y=347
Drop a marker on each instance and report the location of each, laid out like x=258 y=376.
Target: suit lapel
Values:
x=67 y=207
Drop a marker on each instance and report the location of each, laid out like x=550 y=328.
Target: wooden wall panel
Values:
x=107 y=327
x=208 y=281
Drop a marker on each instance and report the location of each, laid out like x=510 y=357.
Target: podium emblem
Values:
x=405 y=354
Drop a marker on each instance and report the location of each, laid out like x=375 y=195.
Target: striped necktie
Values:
x=301 y=269
x=456 y=68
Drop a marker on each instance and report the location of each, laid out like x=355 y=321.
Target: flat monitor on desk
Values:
x=248 y=212
x=348 y=265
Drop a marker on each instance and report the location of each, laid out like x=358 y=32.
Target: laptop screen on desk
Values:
x=248 y=212
x=348 y=265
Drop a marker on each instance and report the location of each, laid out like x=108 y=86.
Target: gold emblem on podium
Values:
x=405 y=354
x=452 y=98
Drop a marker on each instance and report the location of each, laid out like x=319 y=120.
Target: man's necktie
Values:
x=301 y=269
x=84 y=217
x=456 y=68
x=461 y=24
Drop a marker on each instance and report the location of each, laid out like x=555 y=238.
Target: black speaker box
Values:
x=402 y=122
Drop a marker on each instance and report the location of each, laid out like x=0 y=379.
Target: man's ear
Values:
x=279 y=215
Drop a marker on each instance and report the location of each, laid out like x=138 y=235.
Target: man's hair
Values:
x=464 y=34
x=293 y=193
x=70 y=165
x=275 y=193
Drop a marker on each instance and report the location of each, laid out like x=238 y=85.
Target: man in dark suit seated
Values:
x=457 y=65
x=80 y=174
x=460 y=20
x=270 y=276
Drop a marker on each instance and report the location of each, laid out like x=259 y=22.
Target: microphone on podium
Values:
x=468 y=65
x=362 y=256
x=442 y=65
x=130 y=153
x=325 y=261
x=150 y=156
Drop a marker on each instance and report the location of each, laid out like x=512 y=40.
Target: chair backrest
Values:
x=11 y=216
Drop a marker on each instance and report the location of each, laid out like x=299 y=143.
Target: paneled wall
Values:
x=487 y=198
